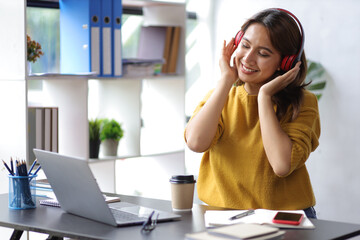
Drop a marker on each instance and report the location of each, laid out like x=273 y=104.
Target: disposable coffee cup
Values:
x=182 y=192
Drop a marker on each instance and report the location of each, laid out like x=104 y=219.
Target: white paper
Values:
x=262 y=216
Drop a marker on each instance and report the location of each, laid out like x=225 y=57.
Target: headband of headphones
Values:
x=287 y=62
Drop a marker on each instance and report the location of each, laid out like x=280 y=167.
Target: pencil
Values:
x=37 y=170
x=12 y=165
x=32 y=166
x=8 y=168
x=16 y=168
x=24 y=168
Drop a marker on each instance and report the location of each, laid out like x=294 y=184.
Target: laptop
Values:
x=78 y=193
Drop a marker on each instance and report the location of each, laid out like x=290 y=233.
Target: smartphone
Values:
x=288 y=218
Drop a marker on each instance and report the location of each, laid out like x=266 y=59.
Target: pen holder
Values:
x=21 y=196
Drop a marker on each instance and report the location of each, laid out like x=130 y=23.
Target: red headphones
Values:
x=287 y=62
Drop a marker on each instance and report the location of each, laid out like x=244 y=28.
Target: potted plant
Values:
x=110 y=135
x=316 y=77
x=94 y=137
x=33 y=52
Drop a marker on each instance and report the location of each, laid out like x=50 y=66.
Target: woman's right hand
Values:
x=228 y=72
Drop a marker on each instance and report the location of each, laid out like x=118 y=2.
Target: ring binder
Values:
x=95 y=40
x=106 y=29
x=117 y=42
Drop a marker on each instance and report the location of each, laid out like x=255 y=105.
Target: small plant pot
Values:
x=109 y=147
x=94 y=148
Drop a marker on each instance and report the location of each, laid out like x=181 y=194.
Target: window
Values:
x=42 y=25
x=131 y=25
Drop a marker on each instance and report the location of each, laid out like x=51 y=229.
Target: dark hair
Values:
x=286 y=37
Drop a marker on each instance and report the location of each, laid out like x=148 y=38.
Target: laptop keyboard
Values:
x=121 y=216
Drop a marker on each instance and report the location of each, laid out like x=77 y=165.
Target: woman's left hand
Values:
x=277 y=143
x=280 y=82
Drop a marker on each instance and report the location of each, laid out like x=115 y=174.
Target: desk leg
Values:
x=50 y=237
x=16 y=234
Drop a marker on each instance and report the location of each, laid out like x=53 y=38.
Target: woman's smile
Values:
x=247 y=70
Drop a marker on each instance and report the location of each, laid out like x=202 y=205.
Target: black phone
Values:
x=288 y=218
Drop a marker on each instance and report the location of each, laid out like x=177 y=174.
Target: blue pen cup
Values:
x=21 y=195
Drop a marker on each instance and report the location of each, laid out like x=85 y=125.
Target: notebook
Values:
x=78 y=193
x=238 y=231
x=53 y=202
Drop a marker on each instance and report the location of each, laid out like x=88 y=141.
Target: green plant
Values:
x=316 y=74
x=94 y=129
x=111 y=129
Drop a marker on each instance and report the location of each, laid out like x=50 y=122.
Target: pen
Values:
x=244 y=214
x=8 y=168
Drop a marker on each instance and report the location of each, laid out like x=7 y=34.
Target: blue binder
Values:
x=106 y=34
x=74 y=36
x=95 y=35
x=116 y=36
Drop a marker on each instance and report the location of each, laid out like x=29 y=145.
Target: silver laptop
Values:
x=78 y=193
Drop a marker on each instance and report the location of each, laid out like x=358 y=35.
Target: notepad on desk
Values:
x=239 y=231
x=53 y=202
x=215 y=218
x=42 y=183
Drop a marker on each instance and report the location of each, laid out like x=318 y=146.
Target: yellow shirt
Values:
x=235 y=172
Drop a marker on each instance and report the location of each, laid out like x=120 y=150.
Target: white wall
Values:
x=332 y=38
x=12 y=85
x=148 y=176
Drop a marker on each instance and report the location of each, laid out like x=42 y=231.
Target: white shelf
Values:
x=147 y=3
x=114 y=158
x=85 y=77
x=151 y=109
x=128 y=100
x=60 y=76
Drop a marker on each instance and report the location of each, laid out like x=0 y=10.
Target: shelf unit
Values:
x=150 y=109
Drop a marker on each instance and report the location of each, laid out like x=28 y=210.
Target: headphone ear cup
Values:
x=238 y=38
x=288 y=62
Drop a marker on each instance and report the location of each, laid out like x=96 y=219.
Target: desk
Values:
x=55 y=222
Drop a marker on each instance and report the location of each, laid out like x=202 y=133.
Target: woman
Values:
x=259 y=125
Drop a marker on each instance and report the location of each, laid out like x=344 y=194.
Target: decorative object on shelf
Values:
x=43 y=129
x=94 y=137
x=110 y=135
x=160 y=42
x=136 y=67
x=316 y=74
x=33 y=52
